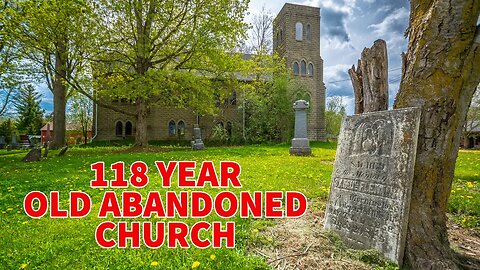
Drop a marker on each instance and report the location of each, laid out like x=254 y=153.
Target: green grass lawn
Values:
x=70 y=244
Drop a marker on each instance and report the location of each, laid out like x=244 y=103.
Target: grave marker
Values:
x=372 y=180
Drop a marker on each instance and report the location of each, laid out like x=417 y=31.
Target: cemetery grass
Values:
x=69 y=243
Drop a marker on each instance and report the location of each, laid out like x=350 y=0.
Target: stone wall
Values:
x=286 y=45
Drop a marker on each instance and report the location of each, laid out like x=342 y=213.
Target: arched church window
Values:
x=172 y=128
x=299 y=31
x=310 y=69
x=303 y=68
x=181 y=128
x=119 y=129
x=128 y=129
x=295 y=68
x=309 y=32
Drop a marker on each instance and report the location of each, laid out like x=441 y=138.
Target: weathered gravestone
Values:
x=63 y=151
x=300 y=142
x=2 y=142
x=372 y=180
x=197 y=143
x=34 y=155
x=14 y=143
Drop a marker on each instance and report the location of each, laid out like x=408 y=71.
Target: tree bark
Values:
x=440 y=74
x=370 y=79
x=141 y=133
x=59 y=96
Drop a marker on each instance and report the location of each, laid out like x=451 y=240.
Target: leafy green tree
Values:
x=30 y=115
x=7 y=128
x=268 y=100
x=81 y=114
x=334 y=115
x=55 y=38
x=167 y=53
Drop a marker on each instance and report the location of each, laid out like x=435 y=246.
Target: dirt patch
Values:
x=466 y=243
x=143 y=149
x=302 y=243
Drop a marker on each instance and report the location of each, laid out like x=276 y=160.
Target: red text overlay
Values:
x=185 y=209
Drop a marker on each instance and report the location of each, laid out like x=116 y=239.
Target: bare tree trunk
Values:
x=370 y=80
x=441 y=72
x=141 y=134
x=59 y=96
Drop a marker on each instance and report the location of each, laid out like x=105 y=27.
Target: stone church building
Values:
x=296 y=38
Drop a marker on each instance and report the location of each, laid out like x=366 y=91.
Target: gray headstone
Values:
x=2 y=142
x=14 y=142
x=300 y=142
x=372 y=180
x=197 y=143
x=34 y=155
x=63 y=151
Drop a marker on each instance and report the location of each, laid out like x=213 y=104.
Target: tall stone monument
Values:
x=300 y=142
x=372 y=180
x=197 y=143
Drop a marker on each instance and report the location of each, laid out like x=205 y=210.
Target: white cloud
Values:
x=392 y=23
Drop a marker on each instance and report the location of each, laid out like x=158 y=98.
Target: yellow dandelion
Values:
x=255 y=230
x=195 y=264
x=154 y=263
x=469 y=184
x=469 y=197
x=23 y=265
x=25 y=222
x=212 y=257
x=9 y=209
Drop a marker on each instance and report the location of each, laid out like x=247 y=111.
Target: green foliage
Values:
x=464 y=202
x=333 y=116
x=169 y=53
x=81 y=113
x=30 y=115
x=268 y=101
x=7 y=128
x=38 y=243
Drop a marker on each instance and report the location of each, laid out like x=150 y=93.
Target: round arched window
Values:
x=295 y=68
x=119 y=129
x=181 y=128
x=299 y=31
x=128 y=129
x=172 y=128
x=303 y=68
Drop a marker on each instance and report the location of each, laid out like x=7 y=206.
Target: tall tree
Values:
x=81 y=114
x=334 y=115
x=160 y=53
x=9 y=71
x=440 y=72
x=262 y=32
x=56 y=37
x=27 y=106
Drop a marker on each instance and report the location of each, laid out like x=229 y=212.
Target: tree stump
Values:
x=370 y=79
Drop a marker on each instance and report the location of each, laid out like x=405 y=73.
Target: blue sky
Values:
x=347 y=26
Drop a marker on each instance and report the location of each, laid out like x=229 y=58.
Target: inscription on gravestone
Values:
x=372 y=180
